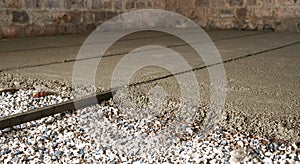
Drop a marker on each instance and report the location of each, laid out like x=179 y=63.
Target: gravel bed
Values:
x=22 y=101
x=91 y=135
x=108 y=134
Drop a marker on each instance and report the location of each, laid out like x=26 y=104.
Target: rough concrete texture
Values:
x=262 y=73
x=27 y=18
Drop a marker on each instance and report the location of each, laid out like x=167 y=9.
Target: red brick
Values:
x=111 y=14
x=107 y=5
x=90 y=27
x=51 y=30
x=12 y=31
x=60 y=17
x=75 y=17
x=33 y=30
x=158 y=4
x=11 y=4
x=88 y=16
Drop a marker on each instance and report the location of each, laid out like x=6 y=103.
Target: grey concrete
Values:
x=263 y=83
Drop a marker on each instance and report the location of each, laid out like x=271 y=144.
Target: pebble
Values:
x=73 y=138
x=22 y=101
x=67 y=139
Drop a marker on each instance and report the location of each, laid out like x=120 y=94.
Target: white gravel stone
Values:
x=22 y=101
x=74 y=138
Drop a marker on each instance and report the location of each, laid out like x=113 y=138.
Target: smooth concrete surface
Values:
x=262 y=69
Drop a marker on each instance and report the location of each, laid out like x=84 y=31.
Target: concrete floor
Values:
x=262 y=69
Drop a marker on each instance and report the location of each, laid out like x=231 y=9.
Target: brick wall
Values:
x=26 y=18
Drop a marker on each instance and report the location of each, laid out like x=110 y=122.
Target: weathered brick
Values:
x=118 y=5
x=33 y=30
x=78 y=4
x=149 y=3
x=1 y=33
x=51 y=30
x=130 y=5
x=111 y=14
x=251 y=2
x=73 y=29
x=215 y=13
x=88 y=16
x=268 y=3
x=170 y=5
x=140 y=5
x=226 y=14
x=11 y=3
x=69 y=4
x=52 y=4
x=241 y=13
x=100 y=16
x=287 y=2
x=5 y=17
x=202 y=12
x=217 y=3
x=285 y=13
x=33 y=4
x=75 y=17
x=158 y=4
x=236 y=2
x=40 y=17
x=107 y=5
x=20 y=17
x=259 y=13
x=90 y=27
x=96 y=4
x=202 y=3
x=60 y=17
x=12 y=31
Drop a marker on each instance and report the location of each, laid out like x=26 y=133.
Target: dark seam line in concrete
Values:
x=112 y=55
x=79 y=44
x=211 y=65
